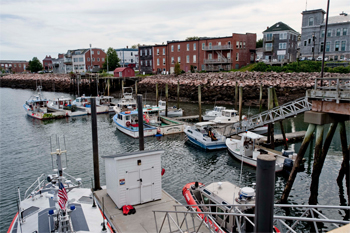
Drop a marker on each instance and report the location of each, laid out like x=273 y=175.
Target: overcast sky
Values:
x=31 y=28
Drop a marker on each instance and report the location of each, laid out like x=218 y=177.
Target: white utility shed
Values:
x=134 y=178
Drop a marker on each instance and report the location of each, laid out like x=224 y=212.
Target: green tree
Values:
x=113 y=60
x=177 y=69
x=192 y=38
x=259 y=43
x=135 y=46
x=35 y=65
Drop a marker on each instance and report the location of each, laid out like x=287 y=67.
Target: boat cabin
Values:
x=38 y=104
x=105 y=100
x=219 y=108
x=229 y=113
x=203 y=127
x=248 y=143
x=62 y=102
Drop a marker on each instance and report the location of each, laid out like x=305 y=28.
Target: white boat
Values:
x=127 y=102
x=204 y=135
x=172 y=111
x=65 y=104
x=228 y=116
x=212 y=114
x=127 y=122
x=36 y=107
x=107 y=101
x=84 y=102
x=248 y=150
x=58 y=204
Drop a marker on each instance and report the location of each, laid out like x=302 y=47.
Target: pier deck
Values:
x=143 y=219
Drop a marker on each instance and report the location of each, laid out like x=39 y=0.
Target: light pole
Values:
x=107 y=60
x=313 y=48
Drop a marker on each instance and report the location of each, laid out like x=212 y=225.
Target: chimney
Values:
x=267 y=27
x=127 y=47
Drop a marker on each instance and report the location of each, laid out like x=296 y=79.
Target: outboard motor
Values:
x=287 y=153
x=288 y=165
x=246 y=193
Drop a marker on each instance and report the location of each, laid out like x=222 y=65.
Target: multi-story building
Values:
x=203 y=54
x=280 y=43
x=47 y=63
x=146 y=59
x=128 y=57
x=58 y=65
x=313 y=33
x=82 y=60
x=10 y=66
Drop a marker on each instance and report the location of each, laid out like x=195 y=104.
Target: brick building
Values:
x=47 y=63
x=82 y=60
x=10 y=66
x=203 y=54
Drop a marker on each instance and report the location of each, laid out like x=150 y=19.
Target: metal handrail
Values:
x=37 y=187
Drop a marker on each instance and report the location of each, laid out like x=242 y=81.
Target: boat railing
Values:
x=309 y=213
x=39 y=183
x=72 y=177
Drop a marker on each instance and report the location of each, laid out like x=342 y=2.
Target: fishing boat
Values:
x=107 y=101
x=84 y=102
x=36 y=107
x=58 y=204
x=65 y=104
x=248 y=150
x=212 y=114
x=127 y=102
x=228 y=116
x=204 y=135
x=220 y=198
x=167 y=125
x=172 y=111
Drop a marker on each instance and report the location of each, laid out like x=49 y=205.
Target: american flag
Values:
x=62 y=194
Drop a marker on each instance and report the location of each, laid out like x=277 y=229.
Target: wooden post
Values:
x=140 y=119
x=281 y=122
x=319 y=158
x=178 y=94
x=136 y=87
x=166 y=100
x=157 y=94
x=260 y=98
x=240 y=102
x=344 y=170
x=108 y=85
x=300 y=156
x=90 y=86
x=199 y=104
x=122 y=87
x=236 y=95
x=95 y=144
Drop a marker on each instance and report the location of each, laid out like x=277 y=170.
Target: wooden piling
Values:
x=344 y=169
x=260 y=98
x=199 y=104
x=319 y=158
x=157 y=94
x=108 y=85
x=95 y=144
x=166 y=100
x=122 y=87
x=178 y=94
x=240 y=102
x=281 y=122
x=136 y=87
x=140 y=119
x=297 y=162
x=236 y=95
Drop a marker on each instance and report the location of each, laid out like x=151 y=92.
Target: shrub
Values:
x=177 y=69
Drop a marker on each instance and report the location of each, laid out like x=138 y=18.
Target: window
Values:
x=282 y=45
x=81 y=59
x=163 y=61
x=283 y=36
x=92 y=52
x=237 y=44
x=172 y=48
x=188 y=47
x=19 y=65
x=280 y=58
x=157 y=51
x=98 y=59
x=172 y=60
x=269 y=36
x=311 y=21
x=203 y=45
x=220 y=215
x=328 y=46
x=146 y=63
x=336 y=48
x=229 y=55
x=163 y=51
x=194 y=58
x=210 y=45
x=343 y=45
x=150 y=63
x=132 y=60
x=345 y=31
x=338 y=31
x=268 y=46
x=157 y=61
x=322 y=34
x=15 y=65
x=178 y=47
x=130 y=53
x=240 y=44
x=322 y=46
x=305 y=42
x=74 y=60
x=150 y=53
x=179 y=60
x=210 y=56
x=98 y=52
x=141 y=63
x=103 y=59
x=194 y=46
x=244 y=44
x=140 y=52
x=237 y=56
x=145 y=52
x=93 y=59
x=329 y=33
x=188 y=59
x=309 y=40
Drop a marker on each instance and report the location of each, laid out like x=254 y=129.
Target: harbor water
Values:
x=25 y=155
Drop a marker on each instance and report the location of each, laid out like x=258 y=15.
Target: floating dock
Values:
x=143 y=220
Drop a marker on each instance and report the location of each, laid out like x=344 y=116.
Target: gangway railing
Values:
x=275 y=114
x=310 y=213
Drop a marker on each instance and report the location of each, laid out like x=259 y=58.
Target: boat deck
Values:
x=143 y=219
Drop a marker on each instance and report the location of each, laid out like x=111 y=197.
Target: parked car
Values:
x=311 y=59
x=302 y=59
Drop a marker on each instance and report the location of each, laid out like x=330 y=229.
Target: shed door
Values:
x=146 y=184
x=134 y=188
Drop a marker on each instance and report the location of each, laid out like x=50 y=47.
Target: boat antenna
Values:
x=65 y=148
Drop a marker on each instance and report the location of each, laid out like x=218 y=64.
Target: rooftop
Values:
x=280 y=26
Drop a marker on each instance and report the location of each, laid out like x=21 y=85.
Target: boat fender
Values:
x=127 y=123
x=158 y=130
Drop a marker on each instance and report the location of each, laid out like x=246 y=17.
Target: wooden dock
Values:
x=143 y=220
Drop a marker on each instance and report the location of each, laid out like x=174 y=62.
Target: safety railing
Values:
x=32 y=188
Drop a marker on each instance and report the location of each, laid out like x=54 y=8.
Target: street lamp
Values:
x=313 y=48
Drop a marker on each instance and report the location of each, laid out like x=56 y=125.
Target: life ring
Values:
x=146 y=117
x=128 y=123
x=127 y=112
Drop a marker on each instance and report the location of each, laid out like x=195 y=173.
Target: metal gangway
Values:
x=184 y=221
x=275 y=114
